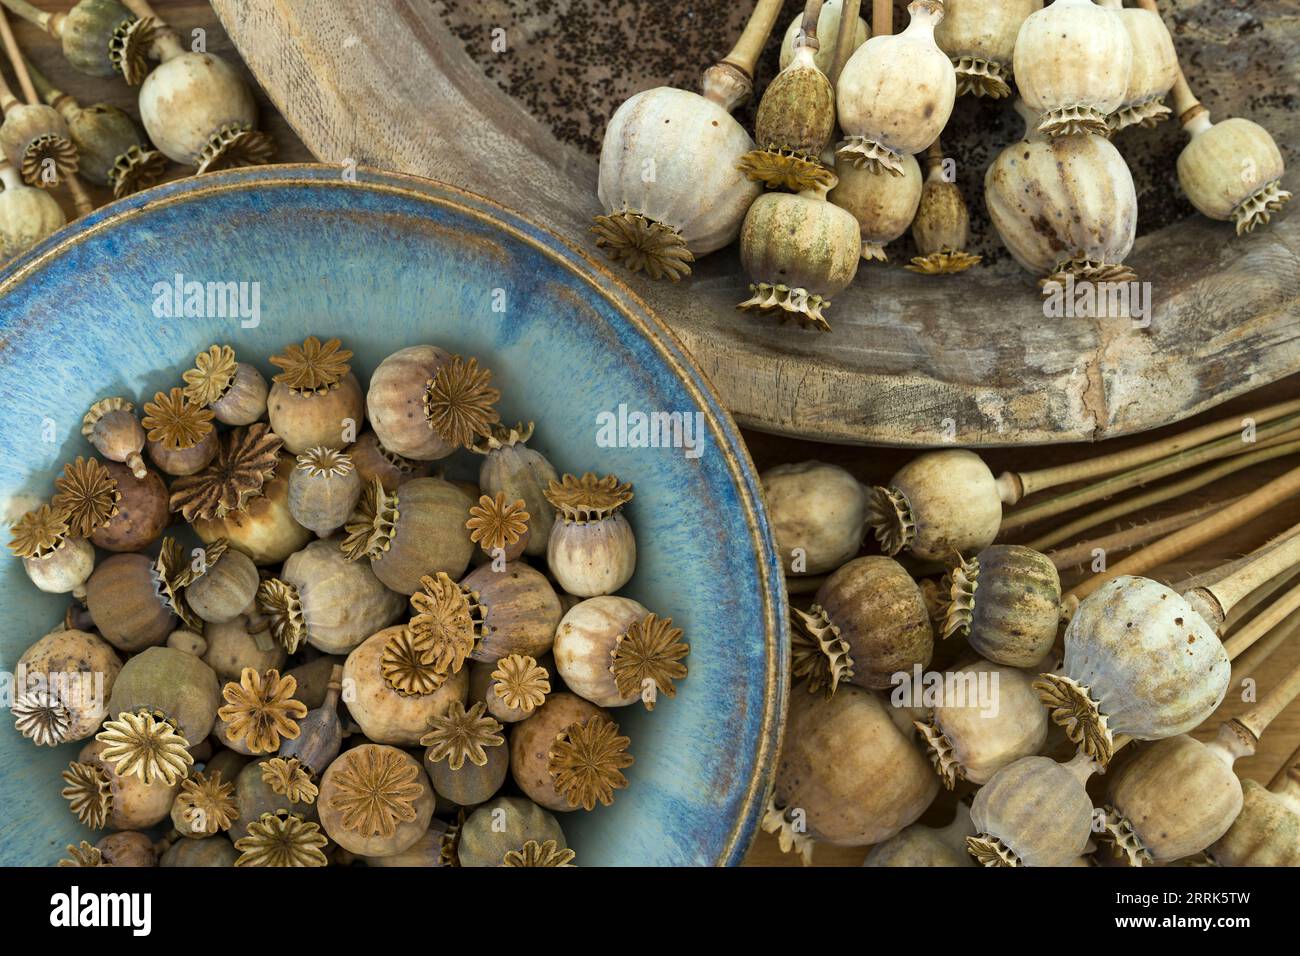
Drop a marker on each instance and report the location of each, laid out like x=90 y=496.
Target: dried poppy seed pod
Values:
x=569 y=754
x=181 y=439
x=395 y=404
x=1032 y=180
x=1139 y=660
x=1231 y=170
x=514 y=687
x=896 y=93
x=103 y=797
x=795 y=121
x=941 y=228
x=585 y=643
x=226 y=585
x=100 y=37
x=128 y=848
x=60 y=687
x=36 y=140
x=502 y=825
x=855 y=777
x=256 y=794
x=1072 y=63
x=324 y=599
x=470 y=784
x=111 y=426
x=217 y=851
x=321 y=735
x=54 y=561
x=315 y=400
x=1153 y=72
x=995 y=720
x=520 y=473
x=205 y=806
x=415 y=531
x=235 y=391
x=260 y=710
x=591 y=549
x=375 y=800
x=818 y=515
x=883 y=204
x=1006 y=601
x=869 y=621
x=323 y=490
x=124 y=603
x=520 y=611
x=919 y=845
x=142 y=511
x=374 y=462
x=828 y=28
x=979 y=37
x=1267 y=830
x=396 y=688
x=800 y=251
x=940 y=504
x=27 y=215
x=1033 y=812
x=237 y=644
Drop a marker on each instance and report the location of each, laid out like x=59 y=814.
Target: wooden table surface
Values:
x=869 y=464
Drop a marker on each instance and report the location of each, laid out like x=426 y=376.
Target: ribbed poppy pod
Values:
x=396 y=686
x=896 y=93
x=1034 y=812
x=818 y=515
x=327 y=601
x=375 y=800
x=99 y=37
x=989 y=716
x=315 y=400
x=235 y=391
x=1031 y=184
x=142 y=511
x=373 y=461
x=262 y=526
x=101 y=797
x=124 y=601
x=799 y=251
x=503 y=825
x=1231 y=170
x=1153 y=72
x=36 y=141
x=940 y=504
x=27 y=215
x=54 y=561
x=60 y=687
x=883 y=204
x=1006 y=602
x=323 y=490
x=520 y=473
x=1267 y=830
x=591 y=549
x=225 y=587
x=979 y=37
x=412 y=532
x=941 y=228
x=395 y=404
x=828 y=28
x=919 y=845
x=1072 y=64
x=585 y=644
x=569 y=755
x=112 y=427
x=794 y=124
x=868 y=622
x=1139 y=660
x=520 y=611
x=846 y=775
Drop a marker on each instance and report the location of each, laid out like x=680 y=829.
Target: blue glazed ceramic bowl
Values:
x=385 y=262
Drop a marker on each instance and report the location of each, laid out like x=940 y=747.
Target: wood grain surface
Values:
x=869 y=464
x=405 y=84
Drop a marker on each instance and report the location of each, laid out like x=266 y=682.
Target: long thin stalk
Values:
x=1185 y=100
x=16 y=60
x=1252 y=658
x=1231 y=590
x=1042 y=479
x=1278 y=699
x=1241 y=641
x=1190 y=538
x=1130 y=538
x=1145 y=474
x=1213 y=575
x=812 y=11
x=850 y=11
x=1291 y=768
x=1257 y=599
x=1160 y=495
x=745 y=53
x=882 y=18
x=28 y=12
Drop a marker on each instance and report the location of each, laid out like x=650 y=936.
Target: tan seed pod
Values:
x=395 y=404
x=520 y=611
x=1006 y=601
x=111 y=426
x=1033 y=812
x=374 y=462
x=919 y=845
x=123 y=599
x=226 y=585
x=323 y=490
x=100 y=797
x=817 y=513
x=385 y=713
x=502 y=826
x=592 y=549
x=142 y=511
x=1231 y=170
x=941 y=228
x=979 y=37
x=1153 y=72
x=375 y=800
x=883 y=204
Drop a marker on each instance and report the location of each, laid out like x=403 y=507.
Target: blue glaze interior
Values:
x=384 y=263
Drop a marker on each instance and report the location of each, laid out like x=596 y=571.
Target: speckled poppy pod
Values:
x=99 y=37
x=569 y=754
x=111 y=426
x=196 y=107
x=413 y=532
x=1032 y=181
x=850 y=772
x=591 y=549
x=1072 y=64
x=1139 y=660
x=796 y=119
x=235 y=391
x=1153 y=72
x=670 y=178
x=141 y=514
x=64 y=681
x=399 y=680
x=181 y=439
x=315 y=400
x=326 y=600
x=868 y=622
x=1267 y=830
x=800 y=251
x=323 y=490
x=54 y=560
x=938 y=505
x=1006 y=602
x=941 y=228
x=1033 y=812
x=818 y=514
x=990 y=717
x=896 y=93
x=27 y=215
x=424 y=403
x=36 y=141
x=520 y=473
x=519 y=609
x=883 y=204
x=979 y=37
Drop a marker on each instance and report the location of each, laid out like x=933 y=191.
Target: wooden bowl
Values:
x=912 y=360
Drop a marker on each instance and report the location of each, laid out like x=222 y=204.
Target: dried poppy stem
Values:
x=1130 y=538
x=730 y=81
x=1190 y=538
x=1165 y=493
x=16 y=60
x=1184 y=100
x=1268 y=619
x=1030 y=482
x=1256 y=720
x=1290 y=768
x=1209 y=577
x=849 y=11
x=1216 y=600
x=882 y=18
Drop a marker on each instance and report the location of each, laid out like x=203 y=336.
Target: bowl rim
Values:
x=607 y=285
